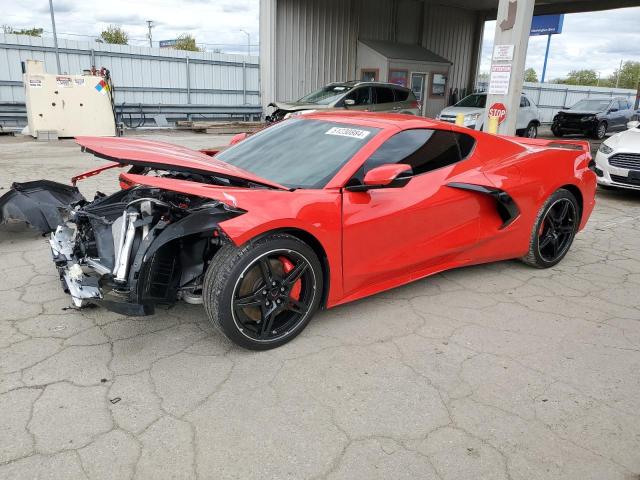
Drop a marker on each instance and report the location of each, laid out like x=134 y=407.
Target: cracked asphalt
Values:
x=498 y=371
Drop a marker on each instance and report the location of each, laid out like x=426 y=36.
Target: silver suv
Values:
x=353 y=95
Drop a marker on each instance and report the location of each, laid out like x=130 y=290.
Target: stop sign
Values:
x=498 y=110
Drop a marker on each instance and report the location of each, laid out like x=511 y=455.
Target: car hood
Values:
x=629 y=141
x=153 y=154
x=579 y=112
x=295 y=106
x=465 y=110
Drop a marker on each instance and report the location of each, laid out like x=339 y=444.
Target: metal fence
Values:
x=150 y=81
x=552 y=97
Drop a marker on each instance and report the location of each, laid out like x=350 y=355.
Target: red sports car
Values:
x=310 y=213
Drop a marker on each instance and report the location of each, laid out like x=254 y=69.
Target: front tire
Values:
x=531 y=130
x=264 y=293
x=600 y=131
x=554 y=230
x=557 y=132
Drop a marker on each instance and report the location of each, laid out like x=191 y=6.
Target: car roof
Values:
x=376 y=120
x=357 y=83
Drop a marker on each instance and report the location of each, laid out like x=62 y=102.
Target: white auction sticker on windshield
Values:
x=348 y=132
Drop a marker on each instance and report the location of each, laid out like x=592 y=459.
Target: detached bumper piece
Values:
x=505 y=205
x=42 y=204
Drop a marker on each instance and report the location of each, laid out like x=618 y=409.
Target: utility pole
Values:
x=619 y=72
x=248 y=41
x=55 y=36
x=150 y=26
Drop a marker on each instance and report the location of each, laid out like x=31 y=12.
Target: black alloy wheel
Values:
x=557 y=230
x=554 y=230
x=600 y=131
x=273 y=295
x=263 y=294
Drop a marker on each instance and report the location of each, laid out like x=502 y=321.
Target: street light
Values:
x=248 y=41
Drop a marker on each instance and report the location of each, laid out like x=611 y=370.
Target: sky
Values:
x=597 y=40
x=593 y=40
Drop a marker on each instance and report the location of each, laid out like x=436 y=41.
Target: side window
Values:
x=401 y=94
x=524 y=102
x=384 y=95
x=361 y=96
x=423 y=149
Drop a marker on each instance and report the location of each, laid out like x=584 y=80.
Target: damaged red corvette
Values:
x=309 y=213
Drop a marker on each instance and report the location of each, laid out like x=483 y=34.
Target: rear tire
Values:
x=251 y=296
x=554 y=230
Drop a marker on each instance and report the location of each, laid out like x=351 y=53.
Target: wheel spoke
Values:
x=295 y=274
x=265 y=268
x=564 y=211
x=267 y=322
x=296 y=306
x=554 y=245
x=253 y=300
x=566 y=229
x=546 y=241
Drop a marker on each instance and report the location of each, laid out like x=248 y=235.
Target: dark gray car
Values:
x=594 y=117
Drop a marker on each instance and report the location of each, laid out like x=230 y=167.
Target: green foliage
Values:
x=530 y=75
x=629 y=76
x=585 y=77
x=186 y=42
x=115 y=34
x=32 y=32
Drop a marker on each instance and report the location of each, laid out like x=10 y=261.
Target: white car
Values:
x=618 y=159
x=472 y=106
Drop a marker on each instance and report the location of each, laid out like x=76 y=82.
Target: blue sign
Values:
x=547 y=24
x=167 y=43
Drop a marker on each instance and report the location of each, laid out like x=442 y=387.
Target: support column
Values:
x=268 y=53
x=512 y=28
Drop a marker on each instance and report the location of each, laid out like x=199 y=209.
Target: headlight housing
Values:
x=472 y=117
x=604 y=148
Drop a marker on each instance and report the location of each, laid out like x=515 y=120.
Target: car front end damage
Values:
x=129 y=251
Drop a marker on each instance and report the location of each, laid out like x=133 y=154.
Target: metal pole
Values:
x=546 y=57
x=150 y=26
x=244 y=83
x=619 y=72
x=188 y=82
x=248 y=41
x=55 y=36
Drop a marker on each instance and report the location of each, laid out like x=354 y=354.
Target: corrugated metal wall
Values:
x=140 y=74
x=316 y=39
x=450 y=32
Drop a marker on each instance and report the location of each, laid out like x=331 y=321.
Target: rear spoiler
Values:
x=579 y=145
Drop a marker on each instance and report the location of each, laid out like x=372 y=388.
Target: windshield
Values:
x=591 y=105
x=326 y=95
x=475 y=101
x=299 y=153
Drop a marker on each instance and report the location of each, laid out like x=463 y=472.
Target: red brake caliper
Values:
x=287 y=266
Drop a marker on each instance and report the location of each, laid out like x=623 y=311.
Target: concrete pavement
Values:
x=492 y=372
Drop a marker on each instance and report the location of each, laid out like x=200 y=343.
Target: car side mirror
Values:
x=633 y=124
x=237 y=138
x=389 y=175
x=349 y=102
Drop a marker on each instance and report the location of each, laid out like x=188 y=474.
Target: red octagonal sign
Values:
x=498 y=110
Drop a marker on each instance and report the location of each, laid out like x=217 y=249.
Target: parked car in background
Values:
x=594 y=117
x=473 y=106
x=353 y=95
x=618 y=159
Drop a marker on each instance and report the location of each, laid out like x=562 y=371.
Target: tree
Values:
x=581 y=77
x=629 y=76
x=530 y=75
x=32 y=32
x=186 y=42
x=114 y=34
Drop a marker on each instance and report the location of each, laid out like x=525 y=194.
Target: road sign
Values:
x=167 y=43
x=499 y=79
x=498 y=110
x=547 y=25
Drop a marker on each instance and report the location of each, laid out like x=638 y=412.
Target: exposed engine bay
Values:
x=134 y=249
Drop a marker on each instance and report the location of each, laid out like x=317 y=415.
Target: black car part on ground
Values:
x=43 y=204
